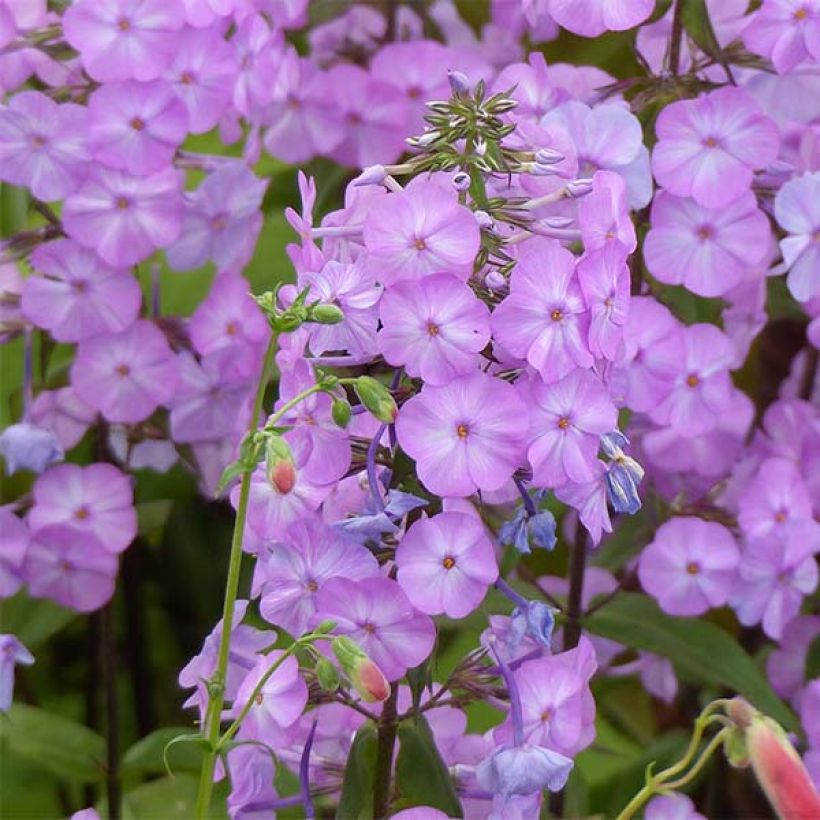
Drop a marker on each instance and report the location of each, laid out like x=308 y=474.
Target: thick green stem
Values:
x=384 y=754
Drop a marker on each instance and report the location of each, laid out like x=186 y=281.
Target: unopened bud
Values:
x=374 y=175
x=365 y=676
x=340 y=410
x=327 y=675
x=548 y=156
x=459 y=82
x=279 y=466
x=577 y=188
x=461 y=181
x=376 y=398
x=484 y=220
x=425 y=140
x=326 y=315
x=494 y=280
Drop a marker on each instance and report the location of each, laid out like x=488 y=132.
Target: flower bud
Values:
x=327 y=675
x=548 y=156
x=495 y=281
x=365 y=676
x=459 y=82
x=376 y=398
x=484 y=219
x=373 y=175
x=326 y=314
x=340 y=411
x=577 y=188
x=279 y=465
x=461 y=181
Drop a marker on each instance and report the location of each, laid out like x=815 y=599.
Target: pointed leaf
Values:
x=356 y=802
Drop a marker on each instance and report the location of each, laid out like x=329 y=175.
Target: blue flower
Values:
x=26 y=447
x=523 y=770
x=11 y=652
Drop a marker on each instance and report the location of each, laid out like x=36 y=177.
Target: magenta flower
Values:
x=421 y=230
x=15 y=543
x=707 y=250
x=202 y=75
x=126 y=375
x=292 y=572
x=604 y=278
x=708 y=147
x=589 y=18
x=446 y=563
x=136 y=126
x=434 y=327
x=690 y=566
x=43 y=145
x=222 y=220
x=78 y=295
x=785 y=31
x=377 y=615
x=797 y=209
x=603 y=214
x=465 y=436
x=124 y=39
x=776 y=572
x=95 y=502
x=568 y=418
x=74 y=569
x=544 y=319
x=703 y=387
x=125 y=218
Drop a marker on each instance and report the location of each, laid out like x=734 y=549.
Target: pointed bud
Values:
x=365 y=676
x=327 y=675
x=340 y=411
x=279 y=465
x=326 y=314
x=548 y=156
x=374 y=175
x=459 y=82
x=376 y=398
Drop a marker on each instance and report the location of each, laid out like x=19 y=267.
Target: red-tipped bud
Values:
x=281 y=471
x=364 y=674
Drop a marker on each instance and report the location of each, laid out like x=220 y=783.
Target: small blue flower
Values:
x=523 y=770
x=26 y=447
x=11 y=652
x=536 y=620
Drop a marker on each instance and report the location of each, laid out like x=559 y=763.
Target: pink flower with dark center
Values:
x=126 y=375
x=709 y=147
x=78 y=295
x=125 y=218
x=136 y=126
x=43 y=145
x=124 y=39
x=785 y=31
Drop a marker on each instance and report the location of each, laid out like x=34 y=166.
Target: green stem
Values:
x=216 y=689
x=716 y=741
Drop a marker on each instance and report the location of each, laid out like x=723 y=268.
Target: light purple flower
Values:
x=797 y=209
x=136 y=126
x=589 y=498
x=252 y=771
x=589 y=18
x=63 y=412
x=420 y=230
x=15 y=543
x=707 y=250
x=568 y=418
x=377 y=615
x=43 y=145
x=467 y=435
x=776 y=572
x=27 y=447
x=786 y=665
x=673 y=806
x=94 y=501
x=785 y=31
x=531 y=85
x=446 y=563
x=523 y=770
x=69 y=567
x=125 y=218
x=708 y=147
x=690 y=566
x=293 y=570
x=544 y=319
x=257 y=50
x=434 y=327
x=222 y=220
x=12 y=652
x=703 y=388
x=78 y=295
x=124 y=39
x=126 y=375
x=603 y=214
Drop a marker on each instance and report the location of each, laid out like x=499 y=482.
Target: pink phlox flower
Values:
x=785 y=31
x=797 y=210
x=589 y=18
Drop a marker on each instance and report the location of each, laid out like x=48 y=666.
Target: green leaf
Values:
x=699 y=650
x=812 y=664
x=33 y=620
x=176 y=745
x=56 y=744
x=421 y=776
x=171 y=798
x=696 y=22
x=356 y=802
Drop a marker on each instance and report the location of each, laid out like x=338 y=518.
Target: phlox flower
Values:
x=11 y=286
x=15 y=543
x=293 y=570
x=123 y=39
x=252 y=771
x=446 y=563
x=24 y=446
x=125 y=218
x=126 y=375
x=603 y=214
x=95 y=501
x=797 y=210
x=544 y=319
x=674 y=806
x=568 y=418
x=78 y=295
x=43 y=145
x=434 y=327
x=589 y=498
x=531 y=86
x=64 y=413
x=520 y=771
x=785 y=31
x=589 y=18
x=786 y=665
x=377 y=615
x=12 y=652
x=74 y=569
x=221 y=219
x=690 y=566
x=707 y=250
x=420 y=230
x=709 y=147
x=257 y=50
x=467 y=435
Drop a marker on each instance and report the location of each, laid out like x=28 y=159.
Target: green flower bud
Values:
x=327 y=675
x=376 y=398
x=365 y=676
x=326 y=314
x=340 y=412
